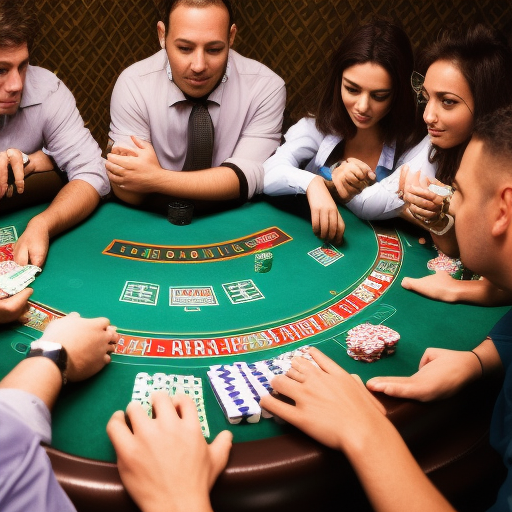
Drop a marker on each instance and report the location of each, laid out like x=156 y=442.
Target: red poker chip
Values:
x=367 y=342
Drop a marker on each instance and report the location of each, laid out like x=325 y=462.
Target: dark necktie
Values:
x=200 y=139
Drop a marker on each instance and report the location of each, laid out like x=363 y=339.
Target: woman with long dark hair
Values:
x=361 y=123
x=468 y=75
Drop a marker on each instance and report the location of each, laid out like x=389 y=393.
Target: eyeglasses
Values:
x=417 y=80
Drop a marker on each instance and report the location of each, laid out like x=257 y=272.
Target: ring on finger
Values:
x=421 y=218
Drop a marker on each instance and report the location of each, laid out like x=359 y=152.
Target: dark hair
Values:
x=18 y=25
x=384 y=43
x=495 y=131
x=165 y=8
x=484 y=58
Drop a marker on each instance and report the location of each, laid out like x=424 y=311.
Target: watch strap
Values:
x=53 y=351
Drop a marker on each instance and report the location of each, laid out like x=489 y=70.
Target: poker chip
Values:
x=233 y=394
x=7 y=252
x=263 y=262
x=454 y=267
x=441 y=190
x=367 y=342
x=444 y=262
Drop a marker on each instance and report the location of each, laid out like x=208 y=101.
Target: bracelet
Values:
x=479 y=360
x=446 y=228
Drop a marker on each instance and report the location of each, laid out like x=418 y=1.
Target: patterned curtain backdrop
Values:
x=89 y=42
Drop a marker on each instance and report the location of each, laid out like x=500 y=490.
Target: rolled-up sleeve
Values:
x=30 y=409
x=260 y=138
x=70 y=143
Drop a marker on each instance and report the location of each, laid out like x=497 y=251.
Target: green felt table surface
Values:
x=78 y=276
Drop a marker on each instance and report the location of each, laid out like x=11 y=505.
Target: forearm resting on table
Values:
x=489 y=358
x=75 y=202
x=481 y=292
x=215 y=184
x=38 y=376
x=390 y=475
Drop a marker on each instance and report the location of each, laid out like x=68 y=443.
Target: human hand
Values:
x=14 y=158
x=325 y=216
x=134 y=170
x=350 y=177
x=165 y=462
x=331 y=405
x=439 y=286
x=88 y=343
x=38 y=162
x=442 y=373
x=32 y=246
x=423 y=204
x=13 y=308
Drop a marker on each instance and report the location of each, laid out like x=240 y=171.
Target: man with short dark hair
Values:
x=154 y=101
x=38 y=111
x=334 y=408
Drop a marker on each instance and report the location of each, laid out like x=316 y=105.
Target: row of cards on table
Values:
x=237 y=387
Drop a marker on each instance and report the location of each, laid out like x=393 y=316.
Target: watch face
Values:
x=45 y=345
x=54 y=351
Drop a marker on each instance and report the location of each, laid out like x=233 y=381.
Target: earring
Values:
x=162 y=44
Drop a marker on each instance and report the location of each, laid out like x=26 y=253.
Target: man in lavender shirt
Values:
x=152 y=101
x=70 y=349
x=74 y=349
x=38 y=111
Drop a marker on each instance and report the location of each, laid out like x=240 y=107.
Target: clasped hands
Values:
x=349 y=178
x=14 y=158
x=134 y=169
x=426 y=206
x=22 y=166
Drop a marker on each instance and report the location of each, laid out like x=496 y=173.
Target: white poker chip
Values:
x=441 y=190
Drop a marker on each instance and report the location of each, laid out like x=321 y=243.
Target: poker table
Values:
x=187 y=297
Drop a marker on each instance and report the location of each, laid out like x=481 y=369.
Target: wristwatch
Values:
x=10 y=173
x=54 y=351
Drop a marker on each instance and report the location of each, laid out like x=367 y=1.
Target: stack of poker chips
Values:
x=240 y=386
x=454 y=267
x=146 y=384
x=263 y=262
x=444 y=262
x=367 y=342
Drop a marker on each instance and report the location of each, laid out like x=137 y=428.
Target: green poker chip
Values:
x=263 y=262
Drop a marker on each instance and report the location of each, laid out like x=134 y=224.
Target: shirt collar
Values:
x=32 y=94
x=387 y=156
